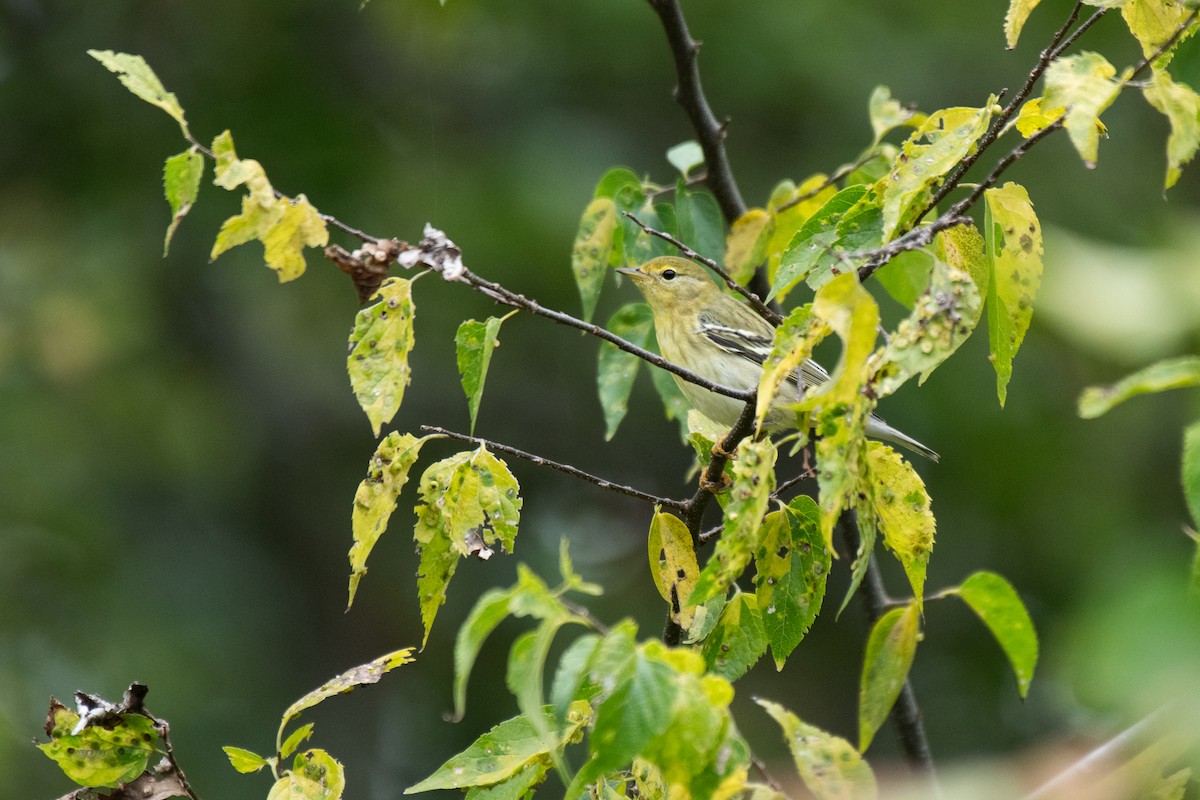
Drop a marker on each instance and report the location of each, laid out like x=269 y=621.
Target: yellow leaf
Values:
x=299 y=226
x=1084 y=85
x=1014 y=245
x=1034 y=117
x=1014 y=20
x=673 y=565
x=379 y=346
x=746 y=244
x=901 y=505
x=1181 y=106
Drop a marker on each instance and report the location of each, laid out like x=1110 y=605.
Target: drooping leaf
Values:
x=104 y=755
x=749 y=495
x=474 y=343
x=829 y=765
x=299 y=226
x=1154 y=22
x=887 y=113
x=231 y=172
x=811 y=248
x=1191 y=470
x=700 y=223
x=673 y=565
x=617 y=369
x=379 y=346
x=244 y=761
x=1084 y=85
x=348 y=681
x=470 y=502
x=839 y=407
x=947 y=137
x=315 y=775
x=997 y=603
x=515 y=787
x=890 y=650
x=570 y=672
x=942 y=319
x=1171 y=373
x=901 y=506
x=375 y=499
x=675 y=405
x=794 y=341
x=792 y=567
x=738 y=641
x=181 y=186
x=686 y=156
x=592 y=251
x=490 y=610
x=746 y=244
x=1014 y=20
x=1180 y=104
x=138 y=78
x=1014 y=247
x=526 y=667
x=502 y=752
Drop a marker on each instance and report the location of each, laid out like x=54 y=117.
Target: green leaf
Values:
x=593 y=250
x=348 y=681
x=890 y=650
x=474 y=344
x=675 y=405
x=104 y=755
x=1181 y=106
x=490 y=610
x=811 y=248
x=941 y=320
x=673 y=565
x=470 y=501
x=245 y=761
x=790 y=206
x=379 y=346
x=701 y=225
x=570 y=673
x=829 y=765
x=1084 y=85
x=633 y=715
x=1014 y=247
x=617 y=369
x=739 y=639
x=906 y=276
x=1191 y=470
x=295 y=739
x=526 y=666
x=502 y=752
x=950 y=136
x=746 y=244
x=839 y=407
x=1154 y=22
x=315 y=775
x=793 y=344
x=997 y=603
x=1014 y=20
x=1172 y=373
x=901 y=506
x=792 y=567
x=138 y=78
x=181 y=186
x=887 y=114
x=375 y=499
x=515 y=787
x=750 y=494
x=686 y=156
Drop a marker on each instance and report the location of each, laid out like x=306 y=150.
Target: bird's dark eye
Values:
x=668 y=274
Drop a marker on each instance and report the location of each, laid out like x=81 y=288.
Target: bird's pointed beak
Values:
x=633 y=272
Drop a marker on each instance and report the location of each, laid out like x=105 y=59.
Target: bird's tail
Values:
x=878 y=429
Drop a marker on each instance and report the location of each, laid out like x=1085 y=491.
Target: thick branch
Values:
x=629 y=491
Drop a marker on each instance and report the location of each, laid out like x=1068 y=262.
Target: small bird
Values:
x=719 y=338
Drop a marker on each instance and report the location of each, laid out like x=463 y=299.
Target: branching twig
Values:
x=764 y=311
x=837 y=175
x=629 y=491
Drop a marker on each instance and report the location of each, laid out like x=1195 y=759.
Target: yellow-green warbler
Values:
x=719 y=338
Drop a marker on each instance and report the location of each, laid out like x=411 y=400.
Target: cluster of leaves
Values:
x=656 y=718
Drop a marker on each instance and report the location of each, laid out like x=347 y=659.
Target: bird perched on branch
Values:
x=701 y=328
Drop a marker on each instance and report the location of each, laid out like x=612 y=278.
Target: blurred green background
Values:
x=179 y=446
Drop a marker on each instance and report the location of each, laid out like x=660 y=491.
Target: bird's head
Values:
x=671 y=282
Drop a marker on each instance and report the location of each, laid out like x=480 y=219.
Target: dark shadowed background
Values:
x=179 y=445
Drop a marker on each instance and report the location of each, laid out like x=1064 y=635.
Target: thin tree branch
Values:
x=1165 y=46
x=1091 y=765
x=906 y=714
x=629 y=491
x=693 y=513
x=764 y=311
x=838 y=174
